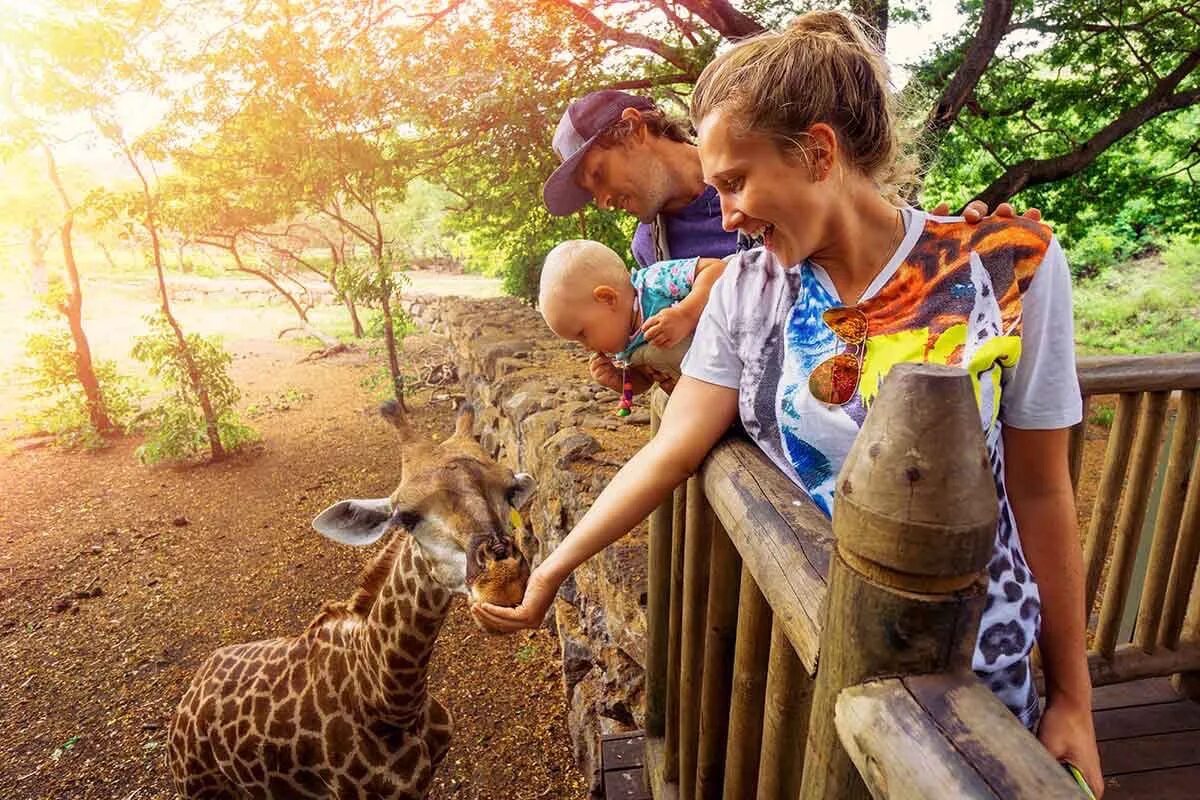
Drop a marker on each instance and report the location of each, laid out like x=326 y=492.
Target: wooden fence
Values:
x=791 y=659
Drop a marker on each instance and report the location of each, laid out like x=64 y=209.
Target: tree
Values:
x=38 y=81
x=1047 y=89
x=300 y=96
x=1028 y=96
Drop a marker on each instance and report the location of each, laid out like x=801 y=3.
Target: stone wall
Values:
x=537 y=411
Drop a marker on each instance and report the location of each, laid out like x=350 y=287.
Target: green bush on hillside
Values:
x=1146 y=306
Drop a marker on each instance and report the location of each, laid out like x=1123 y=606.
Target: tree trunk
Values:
x=993 y=25
x=241 y=267
x=107 y=254
x=334 y=276
x=194 y=377
x=389 y=337
x=210 y=417
x=73 y=309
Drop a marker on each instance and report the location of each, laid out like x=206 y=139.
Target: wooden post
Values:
x=724 y=569
x=915 y=524
x=671 y=738
x=747 y=694
x=1183 y=570
x=785 y=720
x=1166 y=525
x=1078 y=442
x=1104 y=510
x=1129 y=526
x=1188 y=683
x=658 y=607
x=696 y=545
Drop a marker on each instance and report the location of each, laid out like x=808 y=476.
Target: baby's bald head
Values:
x=574 y=269
x=586 y=295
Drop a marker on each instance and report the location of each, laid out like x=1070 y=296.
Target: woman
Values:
x=797 y=135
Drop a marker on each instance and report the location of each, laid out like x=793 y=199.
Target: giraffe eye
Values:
x=408 y=519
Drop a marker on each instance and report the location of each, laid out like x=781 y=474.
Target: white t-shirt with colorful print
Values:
x=993 y=298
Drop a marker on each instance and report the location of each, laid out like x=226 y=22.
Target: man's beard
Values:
x=657 y=191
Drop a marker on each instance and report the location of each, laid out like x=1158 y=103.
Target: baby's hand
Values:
x=669 y=327
x=607 y=374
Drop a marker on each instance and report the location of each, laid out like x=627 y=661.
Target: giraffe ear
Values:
x=355 y=522
x=521 y=491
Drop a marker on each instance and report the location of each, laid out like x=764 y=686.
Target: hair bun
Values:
x=838 y=24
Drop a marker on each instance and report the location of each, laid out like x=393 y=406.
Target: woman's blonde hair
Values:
x=827 y=66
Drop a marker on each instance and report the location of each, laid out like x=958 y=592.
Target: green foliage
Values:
x=1067 y=70
x=1103 y=416
x=1147 y=306
x=176 y=424
x=57 y=402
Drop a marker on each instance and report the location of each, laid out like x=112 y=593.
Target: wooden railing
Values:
x=748 y=594
x=1145 y=521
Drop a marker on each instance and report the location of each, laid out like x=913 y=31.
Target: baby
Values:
x=643 y=319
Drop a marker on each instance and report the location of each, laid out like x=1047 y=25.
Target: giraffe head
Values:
x=461 y=507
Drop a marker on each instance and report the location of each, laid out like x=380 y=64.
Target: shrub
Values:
x=1147 y=306
x=522 y=274
x=177 y=427
x=59 y=406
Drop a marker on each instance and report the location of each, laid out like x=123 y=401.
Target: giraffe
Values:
x=342 y=710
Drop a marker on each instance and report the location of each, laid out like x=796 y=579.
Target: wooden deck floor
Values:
x=1149 y=741
x=1149 y=746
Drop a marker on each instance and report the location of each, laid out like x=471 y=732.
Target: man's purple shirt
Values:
x=693 y=231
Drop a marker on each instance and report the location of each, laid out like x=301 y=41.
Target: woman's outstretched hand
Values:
x=1068 y=734
x=976 y=210
x=539 y=595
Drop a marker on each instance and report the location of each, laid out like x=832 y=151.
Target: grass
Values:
x=1150 y=305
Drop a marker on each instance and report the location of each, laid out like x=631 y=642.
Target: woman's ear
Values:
x=822 y=154
x=605 y=295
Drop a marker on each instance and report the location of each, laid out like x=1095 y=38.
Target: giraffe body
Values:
x=342 y=710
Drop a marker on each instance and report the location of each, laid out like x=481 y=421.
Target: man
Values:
x=627 y=154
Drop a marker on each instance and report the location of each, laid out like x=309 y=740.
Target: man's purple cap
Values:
x=577 y=131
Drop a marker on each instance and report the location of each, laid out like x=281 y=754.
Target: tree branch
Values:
x=723 y=17
x=646 y=83
x=992 y=27
x=639 y=41
x=1032 y=172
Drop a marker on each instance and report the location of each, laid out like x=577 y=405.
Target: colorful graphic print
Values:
x=955 y=299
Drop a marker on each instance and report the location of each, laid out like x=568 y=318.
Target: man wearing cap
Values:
x=657 y=177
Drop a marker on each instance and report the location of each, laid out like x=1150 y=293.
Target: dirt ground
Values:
x=116 y=580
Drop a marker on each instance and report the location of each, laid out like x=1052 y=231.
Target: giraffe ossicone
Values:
x=342 y=710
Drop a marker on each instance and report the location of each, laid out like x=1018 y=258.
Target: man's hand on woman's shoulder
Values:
x=976 y=210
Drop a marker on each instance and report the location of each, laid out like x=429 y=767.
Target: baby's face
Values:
x=598 y=324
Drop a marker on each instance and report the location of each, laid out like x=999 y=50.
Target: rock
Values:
x=572 y=444
x=521 y=405
x=638 y=418
x=60 y=605
x=180 y=521
x=96 y=549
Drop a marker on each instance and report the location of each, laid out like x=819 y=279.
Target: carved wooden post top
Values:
x=916 y=504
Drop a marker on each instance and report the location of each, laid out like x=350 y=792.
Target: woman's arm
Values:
x=1039 y=489
x=696 y=417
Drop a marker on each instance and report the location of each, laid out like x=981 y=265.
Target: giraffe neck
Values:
x=398 y=638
